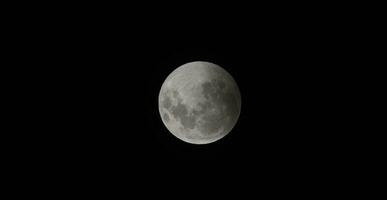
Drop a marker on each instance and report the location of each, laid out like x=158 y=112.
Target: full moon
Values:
x=199 y=102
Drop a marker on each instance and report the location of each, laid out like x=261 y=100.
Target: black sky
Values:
x=281 y=75
x=104 y=74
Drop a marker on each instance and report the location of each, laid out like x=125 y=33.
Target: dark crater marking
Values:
x=218 y=98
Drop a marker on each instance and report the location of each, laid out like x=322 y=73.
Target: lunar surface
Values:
x=199 y=102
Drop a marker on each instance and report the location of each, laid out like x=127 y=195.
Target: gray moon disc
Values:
x=199 y=102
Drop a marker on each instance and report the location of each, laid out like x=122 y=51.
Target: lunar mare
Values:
x=199 y=102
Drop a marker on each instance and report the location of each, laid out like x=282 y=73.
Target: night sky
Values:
x=281 y=80
x=104 y=77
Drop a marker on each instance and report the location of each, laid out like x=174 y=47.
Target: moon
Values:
x=199 y=102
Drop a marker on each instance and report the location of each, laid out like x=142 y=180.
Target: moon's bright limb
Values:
x=199 y=102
